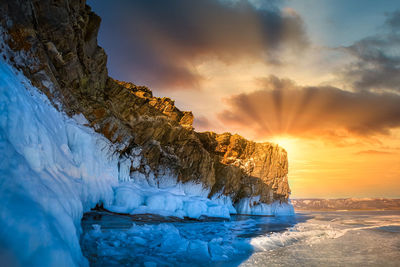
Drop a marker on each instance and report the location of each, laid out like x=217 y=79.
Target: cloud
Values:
x=373 y=152
x=282 y=107
x=393 y=20
x=160 y=42
x=377 y=59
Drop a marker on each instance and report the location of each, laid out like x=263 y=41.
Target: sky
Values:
x=319 y=77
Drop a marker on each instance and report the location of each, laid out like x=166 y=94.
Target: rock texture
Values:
x=55 y=44
x=244 y=168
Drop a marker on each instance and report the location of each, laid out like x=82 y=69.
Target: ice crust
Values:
x=54 y=168
x=209 y=243
x=313 y=239
x=167 y=244
x=175 y=201
x=252 y=206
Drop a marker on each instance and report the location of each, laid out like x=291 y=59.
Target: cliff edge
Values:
x=54 y=43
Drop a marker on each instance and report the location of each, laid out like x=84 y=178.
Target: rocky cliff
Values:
x=54 y=43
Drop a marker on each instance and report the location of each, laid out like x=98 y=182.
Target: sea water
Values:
x=367 y=238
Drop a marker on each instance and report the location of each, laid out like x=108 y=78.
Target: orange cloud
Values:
x=373 y=152
x=282 y=107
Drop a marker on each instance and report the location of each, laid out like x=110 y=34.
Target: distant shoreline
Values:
x=348 y=210
x=346 y=204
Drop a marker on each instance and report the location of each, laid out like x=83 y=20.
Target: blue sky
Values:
x=342 y=22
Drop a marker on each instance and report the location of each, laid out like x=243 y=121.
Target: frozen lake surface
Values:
x=368 y=238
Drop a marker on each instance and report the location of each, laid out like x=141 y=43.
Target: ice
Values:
x=132 y=198
x=54 y=168
x=252 y=206
x=96 y=232
x=198 y=250
x=220 y=243
x=314 y=240
x=164 y=201
x=150 y=264
x=80 y=119
x=136 y=162
x=225 y=201
x=126 y=199
x=195 y=189
x=164 y=244
x=306 y=232
x=124 y=167
x=320 y=241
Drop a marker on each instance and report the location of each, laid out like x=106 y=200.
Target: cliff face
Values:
x=55 y=44
x=244 y=168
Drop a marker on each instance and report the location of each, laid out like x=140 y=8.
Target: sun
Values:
x=288 y=143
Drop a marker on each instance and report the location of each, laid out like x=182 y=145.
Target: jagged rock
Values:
x=245 y=168
x=55 y=44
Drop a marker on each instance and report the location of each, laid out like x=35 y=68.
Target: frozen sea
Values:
x=359 y=238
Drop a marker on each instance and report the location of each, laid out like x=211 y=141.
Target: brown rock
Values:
x=70 y=67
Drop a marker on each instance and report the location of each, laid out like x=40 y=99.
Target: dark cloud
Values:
x=282 y=107
x=377 y=65
x=374 y=152
x=393 y=20
x=157 y=42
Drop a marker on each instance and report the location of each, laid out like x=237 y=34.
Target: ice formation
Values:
x=252 y=206
x=207 y=243
x=53 y=168
x=132 y=198
x=171 y=244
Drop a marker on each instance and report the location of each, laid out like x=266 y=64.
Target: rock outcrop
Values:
x=244 y=168
x=55 y=44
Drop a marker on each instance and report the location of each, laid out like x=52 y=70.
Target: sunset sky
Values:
x=319 y=77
